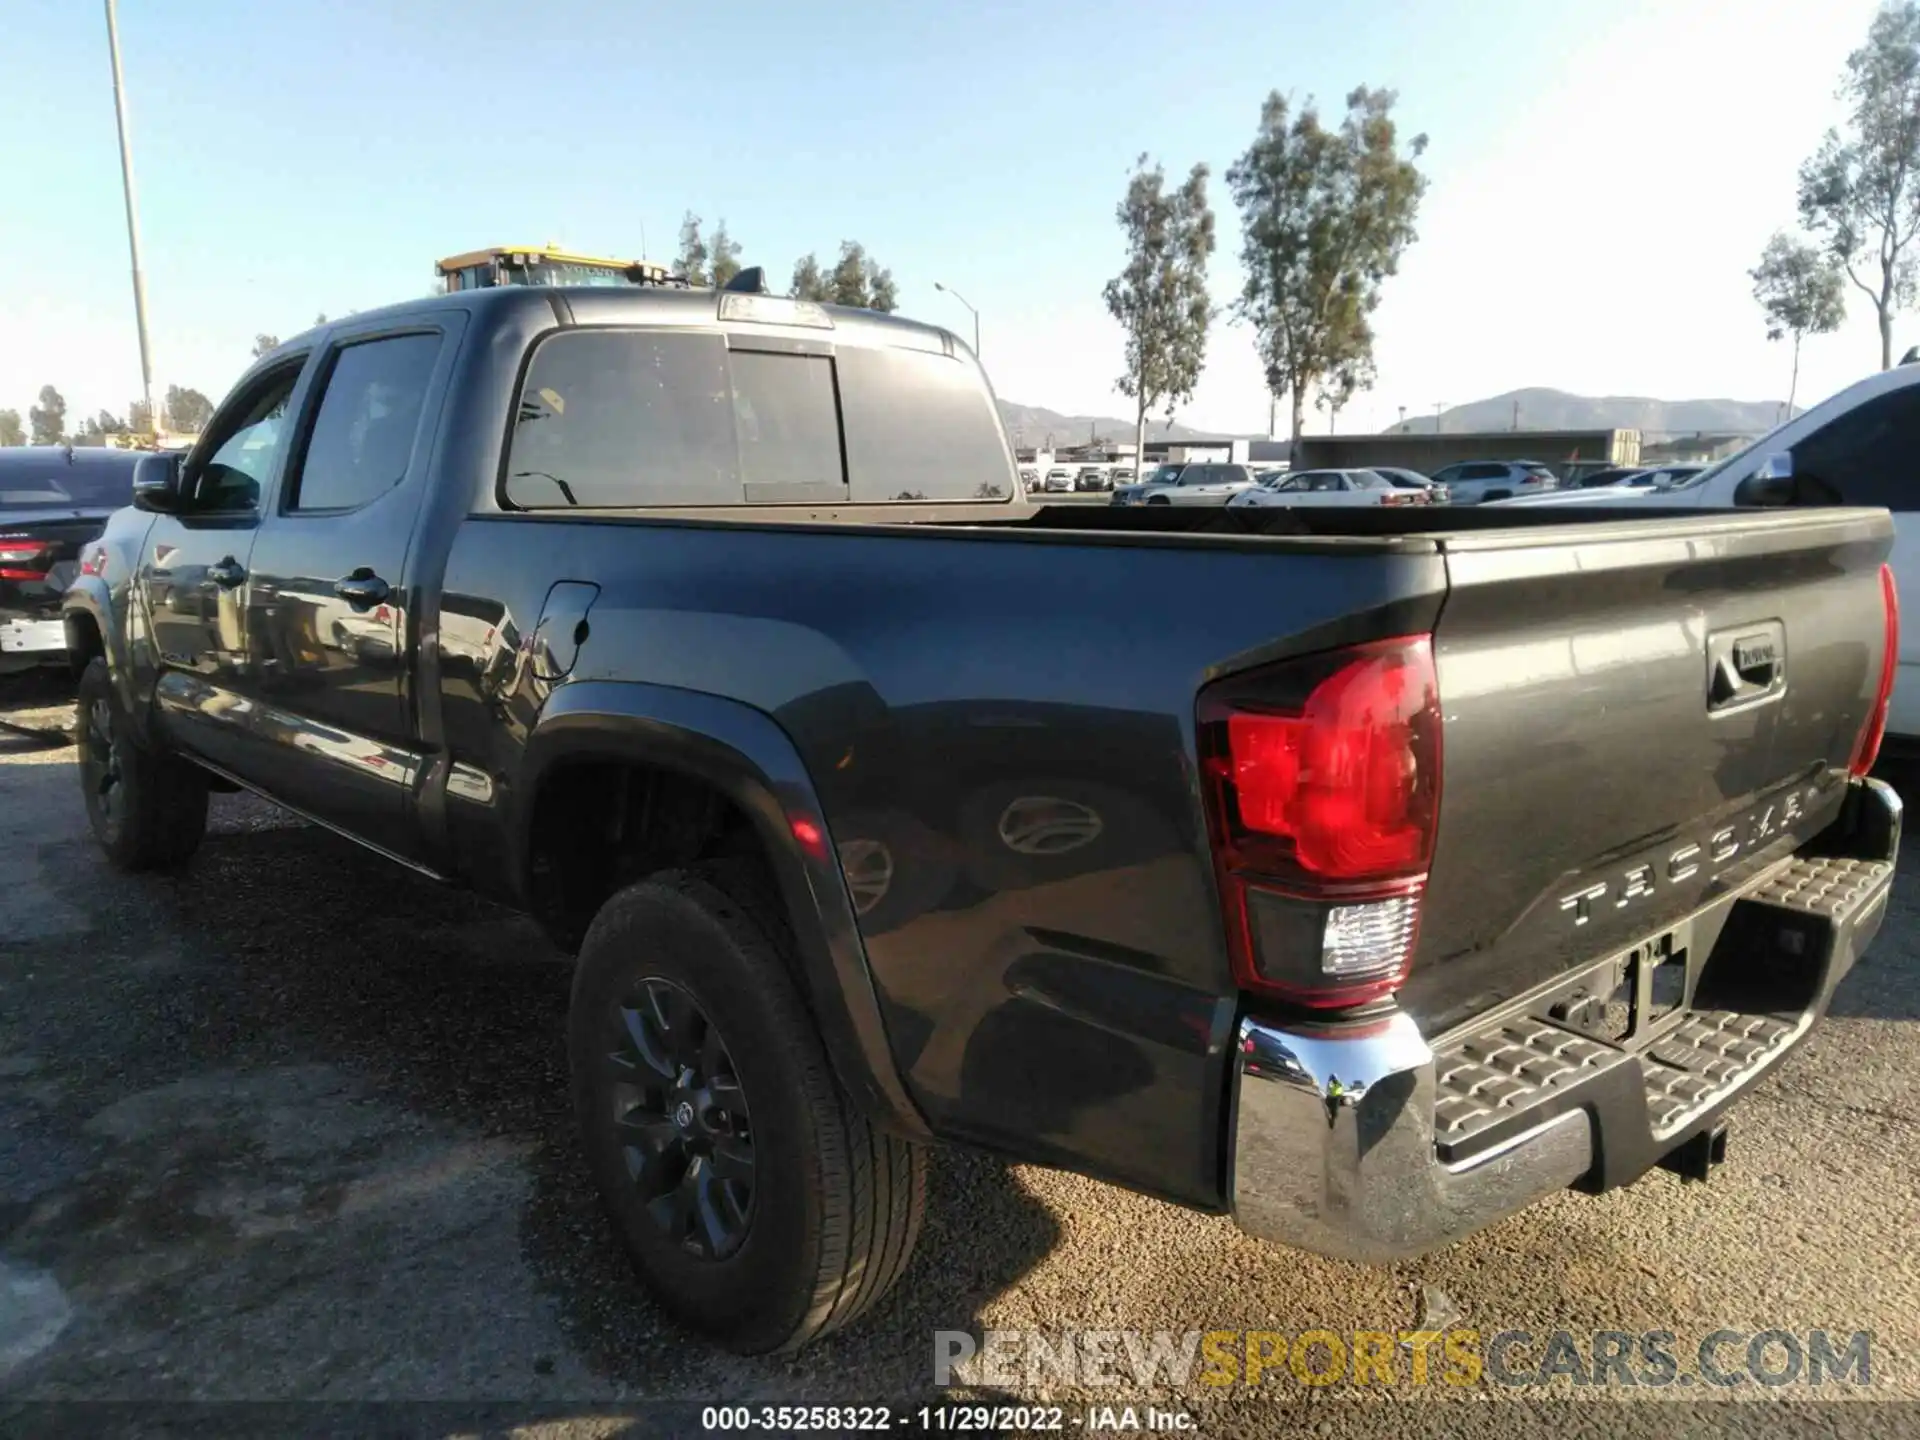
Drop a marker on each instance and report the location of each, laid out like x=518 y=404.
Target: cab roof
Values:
x=645 y=305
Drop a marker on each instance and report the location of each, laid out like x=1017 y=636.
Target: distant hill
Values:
x=1031 y=424
x=1538 y=409
x=1541 y=409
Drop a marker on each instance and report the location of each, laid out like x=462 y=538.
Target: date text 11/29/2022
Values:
x=973 y=1419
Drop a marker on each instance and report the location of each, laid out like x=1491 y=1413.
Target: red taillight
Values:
x=1867 y=748
x=28 y=560
x=1323 y=792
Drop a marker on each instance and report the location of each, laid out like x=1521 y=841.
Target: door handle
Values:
x=362 y=589
x=226 y=573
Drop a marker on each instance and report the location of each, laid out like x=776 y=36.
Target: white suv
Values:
x=1471 y=481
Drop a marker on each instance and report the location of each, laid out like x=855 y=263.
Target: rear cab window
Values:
x=639 y=418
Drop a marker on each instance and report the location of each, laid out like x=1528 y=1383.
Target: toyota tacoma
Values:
x=1382 y=871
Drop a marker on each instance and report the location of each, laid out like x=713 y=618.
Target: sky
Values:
x=1602 y=173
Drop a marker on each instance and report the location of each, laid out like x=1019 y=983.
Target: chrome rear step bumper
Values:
x=1361 y=1142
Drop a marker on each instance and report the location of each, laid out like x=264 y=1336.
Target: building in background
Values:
x=1559 y=450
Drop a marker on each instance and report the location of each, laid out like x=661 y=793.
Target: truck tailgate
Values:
x=1636 y=718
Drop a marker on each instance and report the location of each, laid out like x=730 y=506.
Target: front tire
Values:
x=755 y=1202
x=147 y=809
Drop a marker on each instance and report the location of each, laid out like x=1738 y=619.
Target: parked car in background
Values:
x=1092 y=477
x=1599 y=479
x=1412 y=480
x=1125 y=475
x=53 y=500
x=1471 y=481
x=1328 y=487
x=1059 y=481
x=1159 y=475
x=1029 y=478
x=1195 y=483
x=1663 y=477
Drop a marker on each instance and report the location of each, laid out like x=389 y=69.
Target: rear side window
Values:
x=369 y=417
x=623 y=418
x=1867 y=454
x=1483 y=472
x=920 y=426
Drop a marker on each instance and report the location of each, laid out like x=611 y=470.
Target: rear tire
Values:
x=1497 y=495
x=1158 y=500
x=148 y=809
x=755 y=1202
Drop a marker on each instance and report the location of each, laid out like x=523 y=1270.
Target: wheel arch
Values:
x=86 y=613
x=748 y=759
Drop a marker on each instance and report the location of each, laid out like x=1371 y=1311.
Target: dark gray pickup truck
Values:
x=1364 y=874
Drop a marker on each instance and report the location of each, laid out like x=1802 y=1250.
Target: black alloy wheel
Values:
x=682 y=1120
x=100 y=775
x=761 y=1229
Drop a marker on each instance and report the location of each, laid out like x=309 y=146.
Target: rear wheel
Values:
x=756 y=1203
x=1158 y=500
x=147 y=809
x=1498 y=495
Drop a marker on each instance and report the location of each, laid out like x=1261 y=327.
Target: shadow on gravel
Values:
x=36 y=711
x=302 y=948
x=983 y=1233
x=1885 y=982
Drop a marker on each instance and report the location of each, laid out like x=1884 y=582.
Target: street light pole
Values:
x=945 y=290
x=133 y=218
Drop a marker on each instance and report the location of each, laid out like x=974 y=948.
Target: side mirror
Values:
x=1773 y=483
x=156 y=484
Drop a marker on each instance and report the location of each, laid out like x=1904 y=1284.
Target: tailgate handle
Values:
x=1755 y=661
x=1746 y=666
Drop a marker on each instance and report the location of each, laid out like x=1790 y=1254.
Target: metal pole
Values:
x=133 y=219
x=949 y=290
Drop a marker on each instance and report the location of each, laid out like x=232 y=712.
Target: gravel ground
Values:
x=291 y=1126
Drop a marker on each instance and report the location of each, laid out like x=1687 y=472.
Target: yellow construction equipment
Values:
x=544 y=265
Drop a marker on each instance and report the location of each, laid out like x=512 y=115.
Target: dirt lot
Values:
x=291 y=1126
